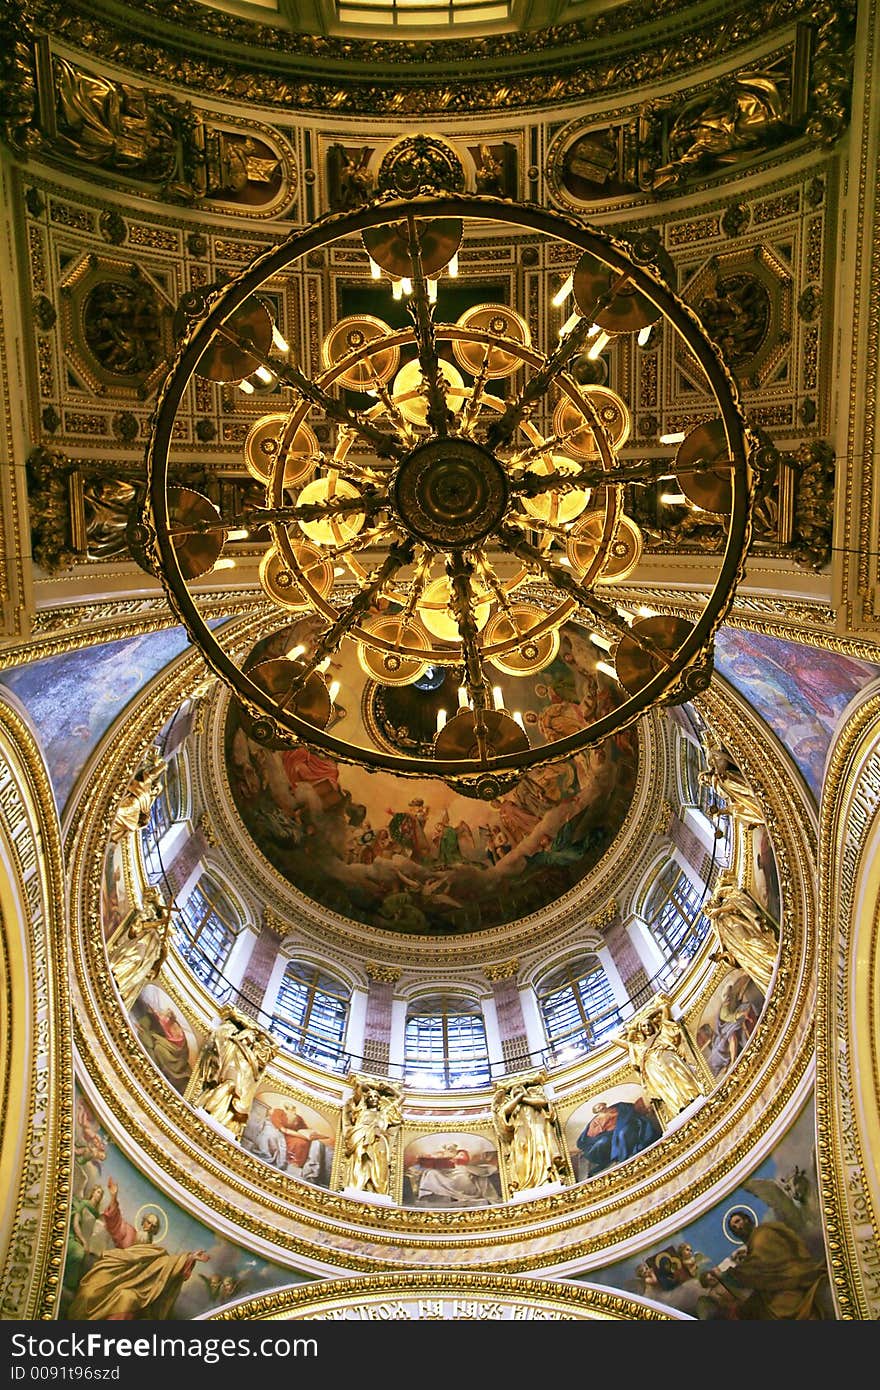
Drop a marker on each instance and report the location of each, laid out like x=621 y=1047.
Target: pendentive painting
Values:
x=758 y=1255
x=132 y=1254
x=728 y=1021
x=414 y=856
x=609 y=1129
x=290 y=1136
x=451 y=1170
x=165 y=1035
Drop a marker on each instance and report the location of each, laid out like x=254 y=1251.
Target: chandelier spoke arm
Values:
x=392 y=410
x=359 y=542
x=386 y=445
x=472 y=409
x=329 y=641
x=423 y=566
x=438 y=416
x=502 y=429
x=368 y=503
x=539 y=450
x=565 y=581
x=588 y=475
x=494 y=583
x=459 y=571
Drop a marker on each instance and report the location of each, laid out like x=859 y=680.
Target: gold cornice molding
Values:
x=586 y=1223
x=847 y=1056
x=542 y=67
x=442 y=1294
x=35 y=1046
x=383 y=974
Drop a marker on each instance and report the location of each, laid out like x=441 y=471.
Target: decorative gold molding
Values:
x=444 y=1295
x=501 y=970
x=847 y=1070
x=36 y=1069
x=383 y=974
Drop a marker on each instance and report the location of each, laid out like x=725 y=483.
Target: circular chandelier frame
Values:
x=414 y=476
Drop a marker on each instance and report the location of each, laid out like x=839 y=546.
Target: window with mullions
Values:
x=166 y=811
x=673 y=912
x=445 y=1044
x=204 y=930
x=311 y=1012
x=577 y=1005
x=421 y=13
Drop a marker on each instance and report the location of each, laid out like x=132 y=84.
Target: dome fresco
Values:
x=414 y=856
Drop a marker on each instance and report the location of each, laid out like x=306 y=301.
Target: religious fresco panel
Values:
x=133 y=1254
x=451 y=1170
x=757 y=1255
x=609 y=1129
x=165 y=1035
x=728 y=1021
x=291 y=1136
x=800 y=691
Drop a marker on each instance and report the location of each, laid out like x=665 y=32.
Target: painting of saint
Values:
x=758 y=1255
x=165 y=1035
x=114 y=895
x=765 y=877
x=609 y=1129
x=290 y=1136
x=413 y=855
x=132 y=1254
x=451 y=1170
x=729 y=1020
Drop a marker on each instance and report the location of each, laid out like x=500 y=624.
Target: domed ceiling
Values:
x=413 y=855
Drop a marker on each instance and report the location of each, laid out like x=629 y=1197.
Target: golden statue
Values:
x=133 y=811
x=745 y=936
x=743 y=113
x=230 y=1067
x=528 y=1125
x=727 y=784
x=655 y=1042
x=138 y=949
x=367 y=1116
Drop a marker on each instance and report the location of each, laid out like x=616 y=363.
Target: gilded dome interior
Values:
x=357 y=1030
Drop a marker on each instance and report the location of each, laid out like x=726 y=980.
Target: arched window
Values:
x=205 y=928
x=673 y=912
x=311 y=1012
x=445 y=1043
x=577 y=1005
x=166 y=811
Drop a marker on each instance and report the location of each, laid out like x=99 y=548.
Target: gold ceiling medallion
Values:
x=443 y=529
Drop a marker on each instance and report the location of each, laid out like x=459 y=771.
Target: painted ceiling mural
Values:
x=73 y=698
x=414 y=856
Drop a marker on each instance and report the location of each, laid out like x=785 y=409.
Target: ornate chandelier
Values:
x=469 y=503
